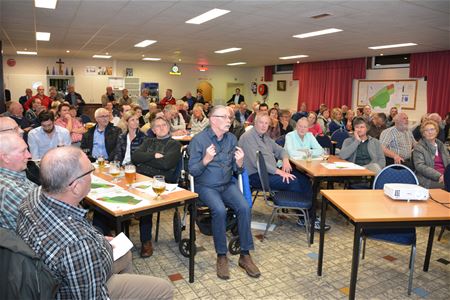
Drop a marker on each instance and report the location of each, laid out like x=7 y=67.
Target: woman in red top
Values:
x=314 y=127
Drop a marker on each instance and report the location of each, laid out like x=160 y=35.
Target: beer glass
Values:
x=114 y=170
x=159 y=185
x=130 y=174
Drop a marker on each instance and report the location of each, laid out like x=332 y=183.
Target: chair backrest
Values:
x=324 y=141
x=447 y=178
x=281 y=140
x=262 y=172
x=394 y=174
x=339 y=136
x=85 y=119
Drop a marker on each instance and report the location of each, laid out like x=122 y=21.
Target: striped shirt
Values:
x=75 y=252
x=14 y=187
x=400 y=142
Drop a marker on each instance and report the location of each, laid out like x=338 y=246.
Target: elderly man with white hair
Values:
x=14 y=185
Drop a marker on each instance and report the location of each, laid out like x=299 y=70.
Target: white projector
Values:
x=401 y=191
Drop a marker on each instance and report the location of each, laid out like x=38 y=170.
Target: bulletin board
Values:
x=383 y=94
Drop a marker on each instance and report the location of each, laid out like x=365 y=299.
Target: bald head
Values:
x=15 y=108
x=8 y=124
x=14 y=153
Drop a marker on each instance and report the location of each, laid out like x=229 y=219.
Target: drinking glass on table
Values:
x=130 y=174
x=308 y=155
x=101 y=162
x=325 y=153
x=114 y=170
x=159 y=185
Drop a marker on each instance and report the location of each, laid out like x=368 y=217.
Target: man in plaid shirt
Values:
x=51 y=222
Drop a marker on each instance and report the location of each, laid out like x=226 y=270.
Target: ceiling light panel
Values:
x=145 y=43
x=236 y=63
x=43 y=36
x=50 y=4
x=151 y=58
x=393 y=46
x=207 y=16
x=27 y=52
x=316 y=33
x=227 y=50
x=101 y=56
x=293 y=56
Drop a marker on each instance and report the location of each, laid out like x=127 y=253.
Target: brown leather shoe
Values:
x=147 y=249
x=223 y=271
x=246 y=262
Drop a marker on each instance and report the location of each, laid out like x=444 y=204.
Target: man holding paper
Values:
x=51 y=222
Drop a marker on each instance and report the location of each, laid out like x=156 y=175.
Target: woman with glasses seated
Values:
x=430 y=157
x=130 y=140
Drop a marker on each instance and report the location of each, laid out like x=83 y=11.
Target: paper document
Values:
x=121 y=245
x=342 y=165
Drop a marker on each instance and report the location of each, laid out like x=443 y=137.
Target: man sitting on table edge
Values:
x=74 y=251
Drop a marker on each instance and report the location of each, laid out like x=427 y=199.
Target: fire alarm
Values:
x=11 y=62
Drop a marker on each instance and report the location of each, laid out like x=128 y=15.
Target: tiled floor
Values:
x=288 y=265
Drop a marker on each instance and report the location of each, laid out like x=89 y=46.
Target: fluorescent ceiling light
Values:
x=392 y=46
x=145 y=43
x=50 y=4
x=27 y=52
x=227 y=50
x=316 y=33
x=101 y=56
x=207 y=16
x=43 y=36
x=151 y=58
x=293 y=56
x=236 y=63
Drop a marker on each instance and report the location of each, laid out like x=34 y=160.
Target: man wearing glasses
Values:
x=51 y=222
x=101 y=139
x=214 y=156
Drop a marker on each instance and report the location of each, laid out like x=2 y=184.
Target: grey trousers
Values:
x=124 y=285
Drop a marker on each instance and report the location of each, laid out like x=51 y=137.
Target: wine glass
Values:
x=159 y=185
x=130 y=174
x=326 y=153
x=114 y=170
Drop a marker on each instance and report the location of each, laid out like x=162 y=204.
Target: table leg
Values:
x=355 y=261
x=157 y=226
x=426 y=263
x=118 y=226
x=192 y=213
x=315 y=190
x=322 y=235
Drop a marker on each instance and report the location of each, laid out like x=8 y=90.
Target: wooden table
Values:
x=372 y=209
x=319 y=173
x=171 y=200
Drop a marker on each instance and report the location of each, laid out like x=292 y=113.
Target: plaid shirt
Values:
x=76 y=253
x=400 y=142
x=14 y=187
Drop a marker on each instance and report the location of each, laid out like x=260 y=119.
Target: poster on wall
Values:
x=383 y=94
x=117 y=83
x=90 y=70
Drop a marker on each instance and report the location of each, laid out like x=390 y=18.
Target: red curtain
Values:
x=436 y=67
x=268 y=73
x=328 y=82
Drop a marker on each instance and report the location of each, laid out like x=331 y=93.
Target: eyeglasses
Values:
x=16 y=128
x=82 y=175
x=104 y=116
x=430 y=130
x=223 y=117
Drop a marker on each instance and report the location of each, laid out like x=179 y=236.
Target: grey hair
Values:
x=59 y=167
x=152 y=123
x=216 y=108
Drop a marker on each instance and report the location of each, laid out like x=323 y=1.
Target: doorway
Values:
x=231 y=90
x=206 y=89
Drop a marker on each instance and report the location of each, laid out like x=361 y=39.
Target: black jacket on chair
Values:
x=111 y=135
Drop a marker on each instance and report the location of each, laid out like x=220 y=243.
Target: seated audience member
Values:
x=7 y=124
x=237 y=98
x=45 y=100
x=336 y=121
x=156 y=156
x=101 y=139
x=322 y=108
x=243 y=113
x=76 y=253
x=349 y=120
x=143 y=101
x=198 y=121
x=65 y=120
x=47 y=136
x=54 y=107
x=129 y=140
x=447 y=127
x=313 y=126
x=285 y=125
x=168 y=99
x=54 y=95
x=214 y=154
x=301 y=113
x=360 y=112
x=125 y=99
x=16 y=113
x=109 y=96
x=139 y=115
x=199 y=98
x=182 y=109
x=367 y=113
x=153 y=109
x=14 y=185
x=300 y=141
x=190 y=100
x=363 y=149
x=398 y=142
x=122 y=123
x=263 y=107
x=390 y=119
x=32 y=114
x=344 y=110
x=416 y=131
x=236 y=128
x=276 y=105
x=75 y=99
x=28 y=95
x=274 y=127
x=177 y=124
x=324 y=119
x=377 y=125
x=430 y=157
x=206 y=107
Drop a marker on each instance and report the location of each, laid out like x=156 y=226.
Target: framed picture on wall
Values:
x=281 y=85
x=383 y=94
